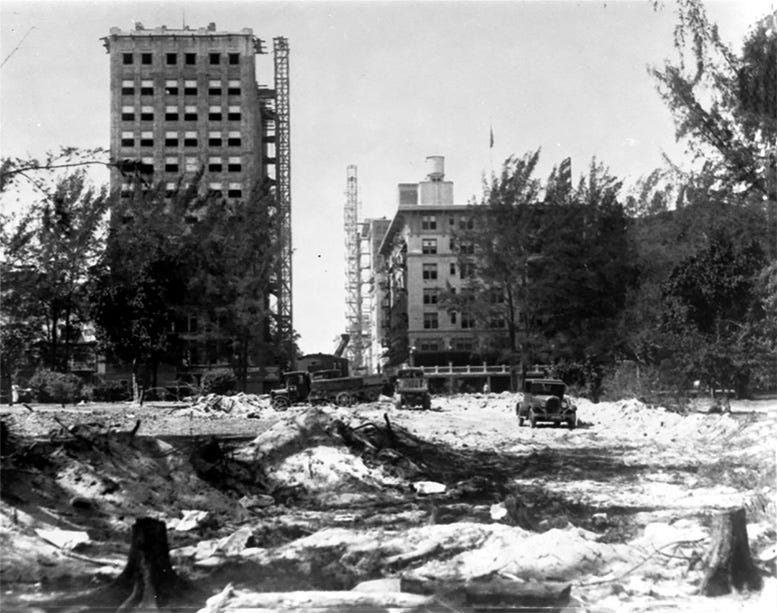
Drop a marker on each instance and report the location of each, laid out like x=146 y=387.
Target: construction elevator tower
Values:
x=356 y=327
x=283 y=194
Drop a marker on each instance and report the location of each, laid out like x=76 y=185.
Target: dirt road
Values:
x=619 y=507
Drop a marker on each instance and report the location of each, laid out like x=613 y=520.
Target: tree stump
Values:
x=729 y=563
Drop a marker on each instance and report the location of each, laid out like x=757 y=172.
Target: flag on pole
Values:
x=491 y=137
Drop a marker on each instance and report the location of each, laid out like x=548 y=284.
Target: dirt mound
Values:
x=239 y=405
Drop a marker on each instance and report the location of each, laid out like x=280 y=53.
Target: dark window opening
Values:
x=146 y=142
x=215 y=167
x=145 y=58
x=214 y=91
x=216 y=193
x=234 y=142
x=233 y=116
x=215 y=59
x=233 y=91
x=453 y=269
x=430 y=321
x=190 y=58
x=146 y=91
x=214 y=142
x=189 y=142
x=127 y=91
x=128 y=116
x=126 y=58
x=190 y=116
x=127 y=142
x=171 y=116
x=189 y=91
x=234 y=167
x=169 y=193
x=146 y=117
x=235 y=193
x=171 y=167
x=171 y=90
x=214 y=116
x=171 y=142
x=172 y=59
x=234 y=58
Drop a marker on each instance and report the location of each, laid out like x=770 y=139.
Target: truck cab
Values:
x=412 y=389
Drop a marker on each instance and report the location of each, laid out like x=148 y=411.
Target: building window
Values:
x=214 y=139
x=467 y=320
x=190 y=113
x=233 y=88
x=145 y=58
x=126 y=190
x=233 y=139
x=214 y=113
x=467 y=248
x=146 y=113
x=233 y=113
x=190 y=58
x=430 y=296
x=235 y=190
x=234 y=58
x=127 y=88
x=148 y=163
x=428 y=345
x=429 y=271
x=431 y=321
x=171 y=164
x=128 y=113
x=452 y=222
x=171 y=88
x=467 y=269
x=171 y=139
x=215 y=59
x=191 y=164
x=171 y=113
x=429 y=222
x=496 y=322
x=453 y=317
x=215 y=164
x=170 y=189
x=146 y=139
x=452 y=269
x=190 y=87
x=190 y=139
x=466 y=224
x=234 y=165
x=428 y=246
x=126 y=58
x=172 y=59
x=127 y=139
x=146 y=87
x=215 y=189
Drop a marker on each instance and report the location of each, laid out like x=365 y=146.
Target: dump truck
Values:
x=326 y=386
x=412 y=389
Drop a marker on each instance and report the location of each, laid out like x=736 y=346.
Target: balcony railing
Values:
x=478 y=369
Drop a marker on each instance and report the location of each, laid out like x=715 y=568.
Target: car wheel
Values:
x=532 y=419
x=344 y=399
x=281 y=403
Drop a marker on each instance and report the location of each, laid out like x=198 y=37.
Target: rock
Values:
x=498 y=511
x=64 y=539
x=379 y=585
x=428 y=487
x=259 y=501
x=189 y=521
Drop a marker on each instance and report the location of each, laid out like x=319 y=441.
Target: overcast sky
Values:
x=382 y=85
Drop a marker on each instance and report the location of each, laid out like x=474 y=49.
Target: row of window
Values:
x=173 y=87
x=429 y=246
x=173 y=113
x=429 y=270
x=467 y=321
x=174 y=139
x=429 y=222
x=214 y=58
x=216 y=188
x=456 y=344
x=192 y=164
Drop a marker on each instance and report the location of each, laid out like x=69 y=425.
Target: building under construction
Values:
x=187 y=101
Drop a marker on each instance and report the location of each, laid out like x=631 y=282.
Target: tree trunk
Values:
x=729 y=562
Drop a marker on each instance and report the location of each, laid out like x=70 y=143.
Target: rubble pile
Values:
x=239 y=405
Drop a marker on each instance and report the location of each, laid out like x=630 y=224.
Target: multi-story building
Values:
x=186 y=99
x=421 y=261
x=372 y=233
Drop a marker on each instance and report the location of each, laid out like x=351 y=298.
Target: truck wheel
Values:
x=344 y=399
x=520 y=421
x=427 y=403
x=532 y=418
x=572 y=423
x=281 y=403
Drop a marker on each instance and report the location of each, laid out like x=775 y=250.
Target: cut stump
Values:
x=729 y=563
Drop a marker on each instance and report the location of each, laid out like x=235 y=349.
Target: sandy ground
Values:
x=621 y=507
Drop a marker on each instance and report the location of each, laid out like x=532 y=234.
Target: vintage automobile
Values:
x=543 y=401
x=412 y=389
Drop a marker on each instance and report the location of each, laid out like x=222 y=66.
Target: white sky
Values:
x=382 y=85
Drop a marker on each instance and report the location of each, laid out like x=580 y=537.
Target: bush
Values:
x=51 y=386
x=111 y=391
x=219 y=381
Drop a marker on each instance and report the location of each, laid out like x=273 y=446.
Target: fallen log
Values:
x=729 y=563
x=525 y=596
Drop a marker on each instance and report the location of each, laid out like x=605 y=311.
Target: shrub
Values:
x=111 y=391
x=219 y=381
x=51 y=386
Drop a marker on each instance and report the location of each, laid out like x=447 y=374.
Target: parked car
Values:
x=544 y=401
